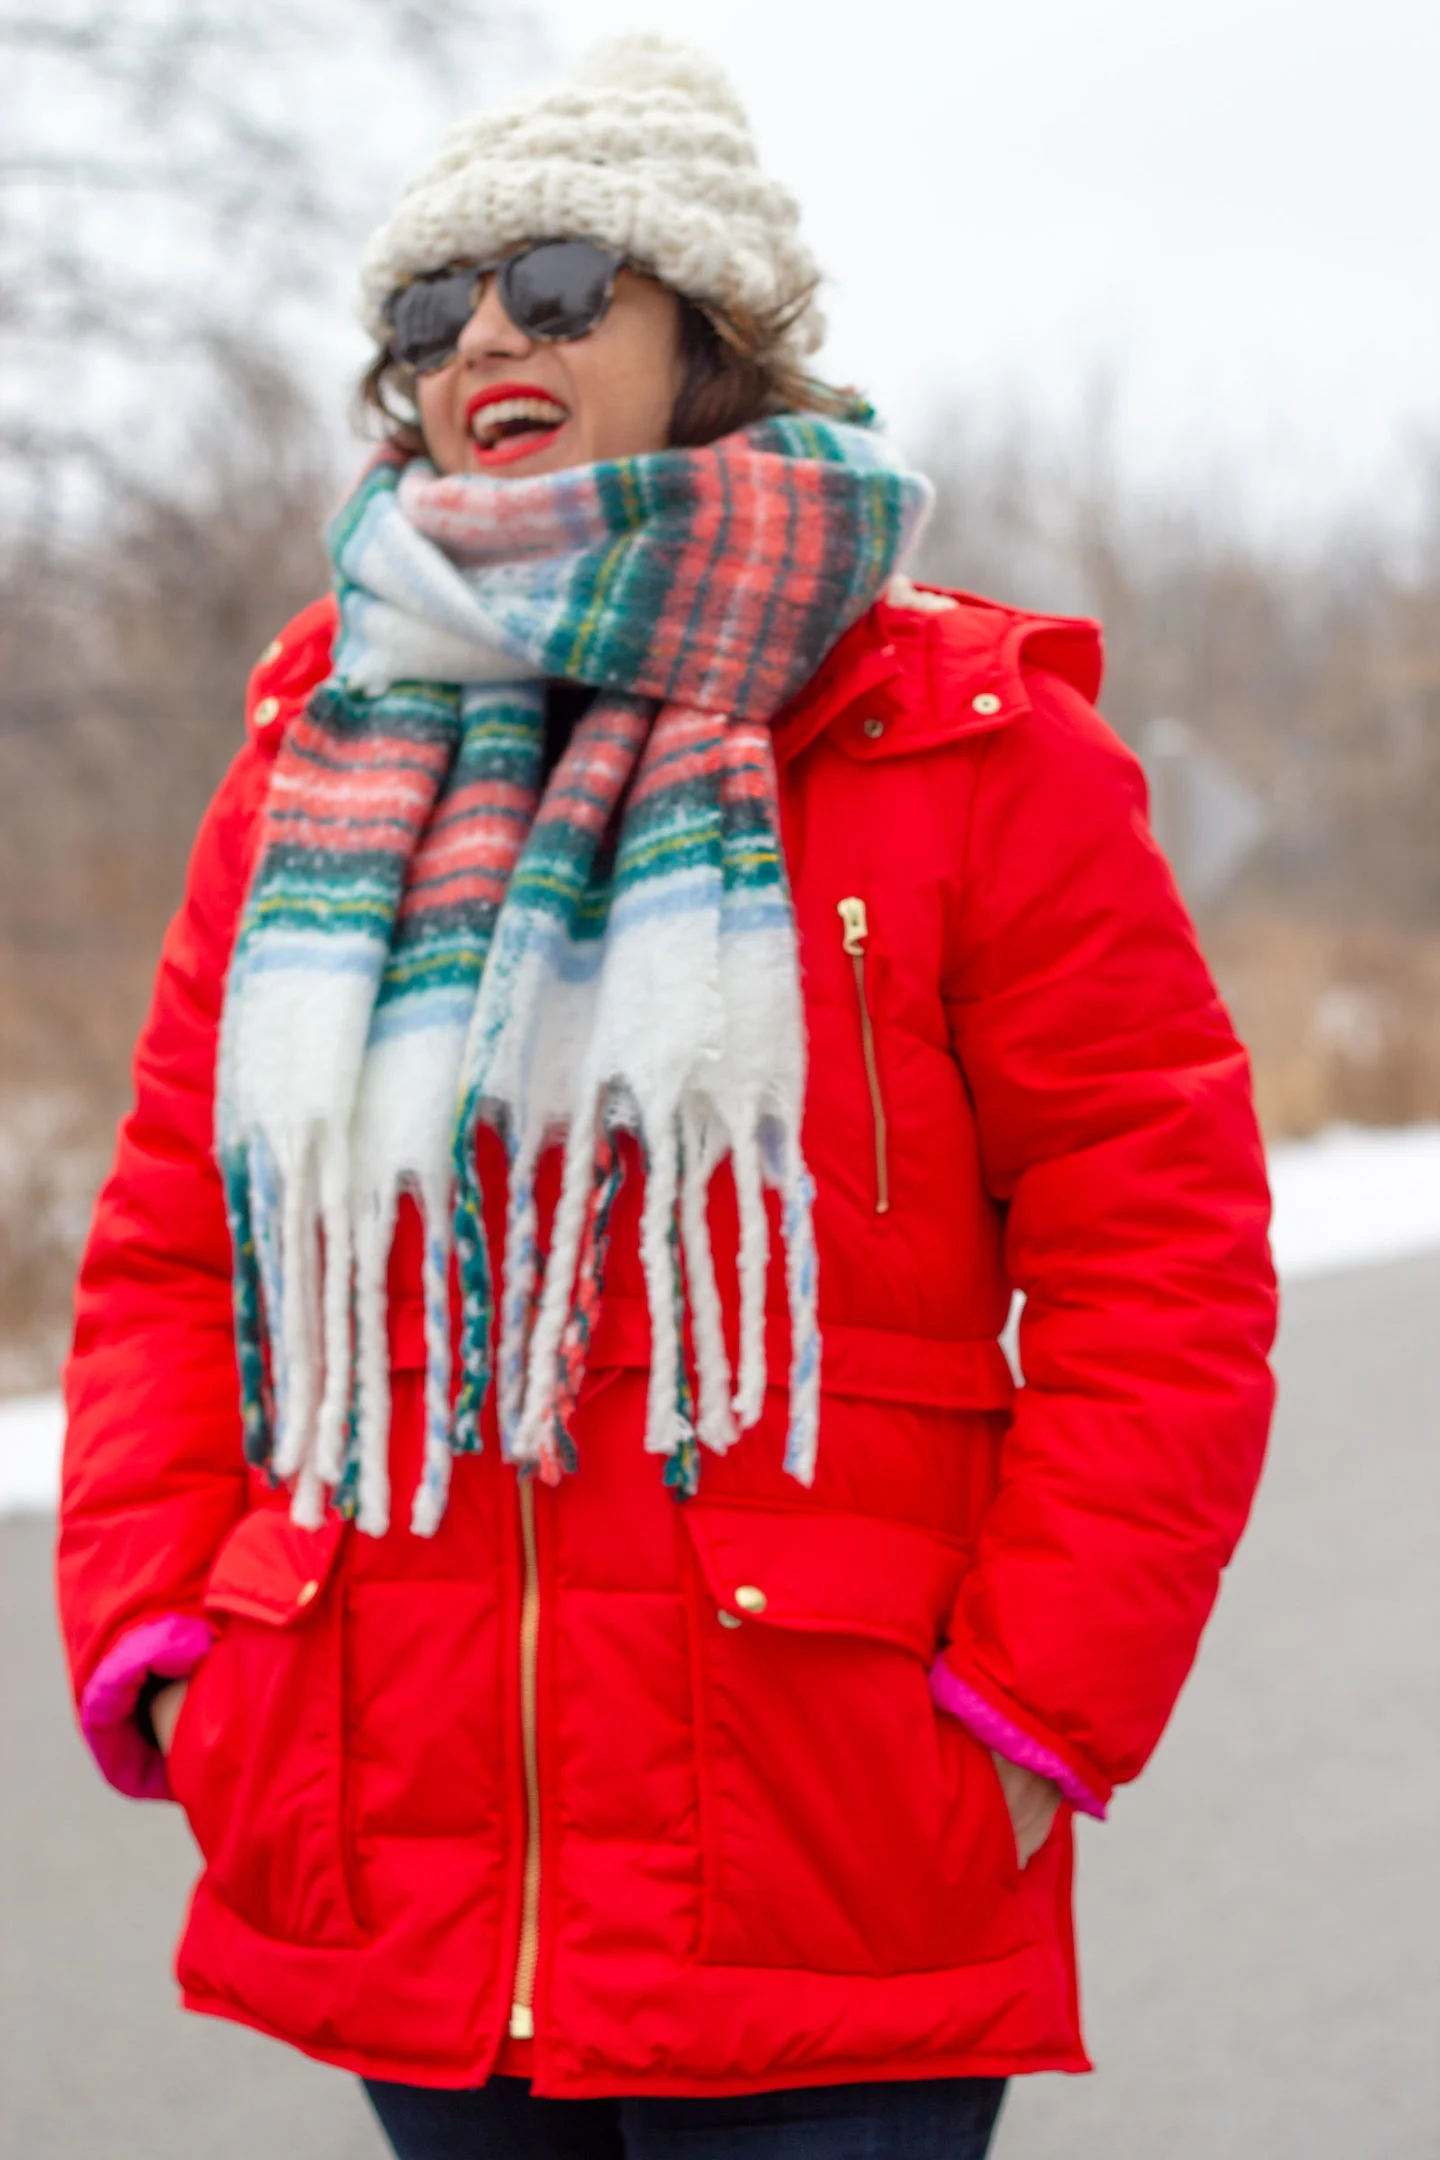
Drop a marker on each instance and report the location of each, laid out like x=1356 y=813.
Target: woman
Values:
x=651 y=987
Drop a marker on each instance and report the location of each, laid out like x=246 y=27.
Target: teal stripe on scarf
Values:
x=410 y=888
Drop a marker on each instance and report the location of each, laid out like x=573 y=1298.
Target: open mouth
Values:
x=513 y=420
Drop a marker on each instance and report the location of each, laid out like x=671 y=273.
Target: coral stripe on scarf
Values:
x=427 y=944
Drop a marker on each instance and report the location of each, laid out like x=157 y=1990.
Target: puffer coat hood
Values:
x=633 y=1794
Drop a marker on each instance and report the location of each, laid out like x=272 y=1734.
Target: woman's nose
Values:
x=490 y=332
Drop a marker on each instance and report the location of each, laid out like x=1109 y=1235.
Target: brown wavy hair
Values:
x=735 y=374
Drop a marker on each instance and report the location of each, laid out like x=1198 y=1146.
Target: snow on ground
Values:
x=1355 y=1195
x=30 y=1431
x=1349 y=1198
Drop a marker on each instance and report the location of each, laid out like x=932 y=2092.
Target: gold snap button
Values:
x=986 y=702
x=267 y=711
x=730 y=1619
x=272 y=652
x=749 y=1599
x=873 y=728
x=307 y=1593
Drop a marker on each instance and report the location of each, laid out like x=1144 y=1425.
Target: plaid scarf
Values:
x=428 y=943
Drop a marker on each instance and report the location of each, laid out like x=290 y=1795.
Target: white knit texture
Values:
x=646 y=149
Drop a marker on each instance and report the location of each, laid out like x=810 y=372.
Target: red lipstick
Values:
x=513 y=420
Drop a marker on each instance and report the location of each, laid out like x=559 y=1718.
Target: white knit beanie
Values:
x=645 y=149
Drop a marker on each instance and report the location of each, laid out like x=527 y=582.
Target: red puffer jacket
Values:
x=669 y=1776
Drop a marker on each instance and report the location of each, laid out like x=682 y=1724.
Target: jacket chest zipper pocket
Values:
x=855 y=929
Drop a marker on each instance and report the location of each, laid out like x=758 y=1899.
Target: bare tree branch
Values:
x=157 y=194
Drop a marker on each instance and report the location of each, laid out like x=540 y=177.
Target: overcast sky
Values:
x=1231 y=208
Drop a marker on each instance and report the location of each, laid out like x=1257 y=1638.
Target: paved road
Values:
x=1260 y=1917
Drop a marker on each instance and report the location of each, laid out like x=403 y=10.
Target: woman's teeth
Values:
x=515 y=416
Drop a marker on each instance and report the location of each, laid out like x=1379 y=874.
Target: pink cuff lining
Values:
x=997 y=1732
x=171 y=1646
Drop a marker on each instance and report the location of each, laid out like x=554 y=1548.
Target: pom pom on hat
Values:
x=645 y=148
x=647 y=60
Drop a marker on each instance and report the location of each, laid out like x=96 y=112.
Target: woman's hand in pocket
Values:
x=165 y=1708
x=1032 y=1801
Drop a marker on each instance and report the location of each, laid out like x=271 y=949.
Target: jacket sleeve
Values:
x=154 y=1473
x=1117 y=1131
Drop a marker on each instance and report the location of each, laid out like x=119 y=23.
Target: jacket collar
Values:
x=903 y=680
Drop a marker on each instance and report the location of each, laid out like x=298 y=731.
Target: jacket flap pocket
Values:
x=829 y=1573
x=269 y=1569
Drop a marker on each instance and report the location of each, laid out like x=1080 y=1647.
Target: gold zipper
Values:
x=522 y=2004
x=856 y=927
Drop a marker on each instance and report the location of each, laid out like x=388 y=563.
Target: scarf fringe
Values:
x=312 y=1266
x=372 y=1368
x=297 y=1335
x=608 y=1172
x=754 y=1265
x=716 y=1425
x=472 y=1257
x=536 y=1438
x=437 y=1226
x=429 y=942
x=321 y=1287
x=663 y=1429
x=797 y=1190
x=517 y=1309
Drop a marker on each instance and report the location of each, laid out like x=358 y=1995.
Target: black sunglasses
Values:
x=554 y=291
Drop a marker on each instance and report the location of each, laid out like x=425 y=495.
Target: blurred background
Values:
x=1151 y=292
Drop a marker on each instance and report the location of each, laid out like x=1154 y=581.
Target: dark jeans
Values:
x=930 y=2119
